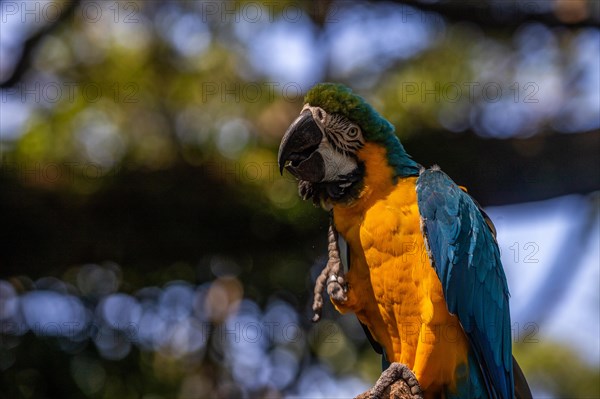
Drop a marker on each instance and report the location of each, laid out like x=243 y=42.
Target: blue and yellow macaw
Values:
x=425 y=277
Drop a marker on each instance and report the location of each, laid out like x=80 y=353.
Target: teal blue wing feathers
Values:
x=466 y=258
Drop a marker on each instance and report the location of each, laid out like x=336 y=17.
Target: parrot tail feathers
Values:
x=522 y=390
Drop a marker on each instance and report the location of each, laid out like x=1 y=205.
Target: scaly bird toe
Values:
x=336 y=282
x=305 y=189
x=331 y=277
x=336 y=288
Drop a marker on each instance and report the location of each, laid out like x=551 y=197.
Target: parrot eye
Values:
x=353 y=132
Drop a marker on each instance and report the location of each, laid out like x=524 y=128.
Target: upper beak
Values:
x=298 y=149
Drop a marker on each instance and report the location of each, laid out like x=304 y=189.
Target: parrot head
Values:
x=322 y=147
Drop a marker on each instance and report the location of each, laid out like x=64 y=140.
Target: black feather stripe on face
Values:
x=338 y=134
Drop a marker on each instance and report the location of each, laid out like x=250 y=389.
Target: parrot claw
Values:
x=305 y=189
x=396 y=372
x=337 y=288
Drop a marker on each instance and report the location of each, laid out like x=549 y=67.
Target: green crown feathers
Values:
x=336 y=98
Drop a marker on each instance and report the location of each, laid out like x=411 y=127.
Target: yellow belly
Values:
x=393 y=289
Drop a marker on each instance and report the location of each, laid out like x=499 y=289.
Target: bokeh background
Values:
x=150 y=249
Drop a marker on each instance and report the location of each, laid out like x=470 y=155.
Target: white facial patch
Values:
x=336 y=164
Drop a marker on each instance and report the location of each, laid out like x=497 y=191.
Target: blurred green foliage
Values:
x=147 y=159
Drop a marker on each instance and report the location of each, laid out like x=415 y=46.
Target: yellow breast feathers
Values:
x=392 y=287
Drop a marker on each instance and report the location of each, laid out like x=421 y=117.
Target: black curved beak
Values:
x=298 y=149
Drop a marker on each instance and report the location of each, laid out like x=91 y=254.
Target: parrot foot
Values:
x=396 y=371
x=331 y=277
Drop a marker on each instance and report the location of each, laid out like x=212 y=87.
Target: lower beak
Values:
x=298 y=151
